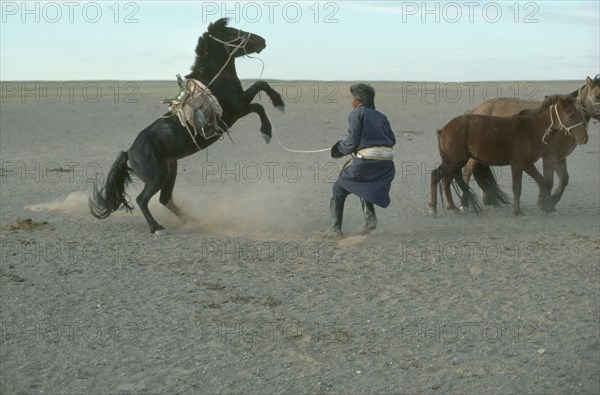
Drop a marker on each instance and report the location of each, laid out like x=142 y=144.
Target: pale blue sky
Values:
x=329 y=40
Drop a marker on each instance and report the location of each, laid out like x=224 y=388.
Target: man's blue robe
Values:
x=369 y=179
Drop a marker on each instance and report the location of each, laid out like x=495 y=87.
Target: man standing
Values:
x=371 y=170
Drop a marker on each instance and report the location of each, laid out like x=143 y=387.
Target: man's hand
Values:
x=335 y=151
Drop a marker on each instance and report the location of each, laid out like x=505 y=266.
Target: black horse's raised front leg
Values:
x=250 y=93
x=265 y=124
x=263 y=86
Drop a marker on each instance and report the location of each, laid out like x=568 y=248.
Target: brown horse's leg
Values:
x=517 y=178
x=467 y=170
x=545 y=202
x=543 y=197
x=563 y=181
x=549 y=164
x=433 y=190
x=449 y=201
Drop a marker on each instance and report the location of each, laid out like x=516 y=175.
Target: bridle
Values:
x=231 y=50
x=236 y=47
x=560 y=125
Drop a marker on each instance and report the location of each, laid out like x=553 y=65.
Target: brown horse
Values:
x=554 y=156
x=499 y=141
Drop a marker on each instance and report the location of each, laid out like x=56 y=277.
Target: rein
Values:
x=561 y=126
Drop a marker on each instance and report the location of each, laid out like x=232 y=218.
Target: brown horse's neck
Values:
x=543 y=126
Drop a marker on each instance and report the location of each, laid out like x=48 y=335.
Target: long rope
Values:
x=242 y=45
x=273 y=130
x=298 y=151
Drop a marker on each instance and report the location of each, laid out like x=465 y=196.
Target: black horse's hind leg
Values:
x=143 y=198
x=166 y=193
x=153 y=172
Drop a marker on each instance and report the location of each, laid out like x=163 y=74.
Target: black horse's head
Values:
x=236 y=42
x=219 y=44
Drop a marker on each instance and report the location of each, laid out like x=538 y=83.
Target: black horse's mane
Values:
x=202 y=48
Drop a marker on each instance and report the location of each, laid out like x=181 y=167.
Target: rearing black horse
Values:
x=154 y=153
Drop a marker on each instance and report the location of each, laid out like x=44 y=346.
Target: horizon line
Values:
x=291 y=80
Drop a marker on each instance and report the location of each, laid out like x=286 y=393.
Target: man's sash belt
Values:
x=379 y=153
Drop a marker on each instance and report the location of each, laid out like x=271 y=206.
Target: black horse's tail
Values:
x=112 y=196
x=493 y=195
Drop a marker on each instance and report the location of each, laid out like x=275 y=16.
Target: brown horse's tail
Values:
x=493 y=195
x=468 y=195
x=112 y=195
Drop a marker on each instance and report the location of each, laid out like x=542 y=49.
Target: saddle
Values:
x=196 y=106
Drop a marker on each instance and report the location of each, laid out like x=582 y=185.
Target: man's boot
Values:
x=370 y=218
x=336 y=209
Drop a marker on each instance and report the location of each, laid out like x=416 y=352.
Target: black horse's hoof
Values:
x=160 y=230
x=333 y=234
x=266 y=137
x=278 y=102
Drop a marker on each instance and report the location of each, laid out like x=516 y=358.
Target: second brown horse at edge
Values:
x=554 y=156
x=500 y=141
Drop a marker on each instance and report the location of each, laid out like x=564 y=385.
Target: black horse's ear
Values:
x=218 y=25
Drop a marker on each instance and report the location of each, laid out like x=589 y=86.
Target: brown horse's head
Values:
x=591 y=101
x=566 y=118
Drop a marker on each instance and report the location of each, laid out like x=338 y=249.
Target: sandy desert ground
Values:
x=249 y=298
